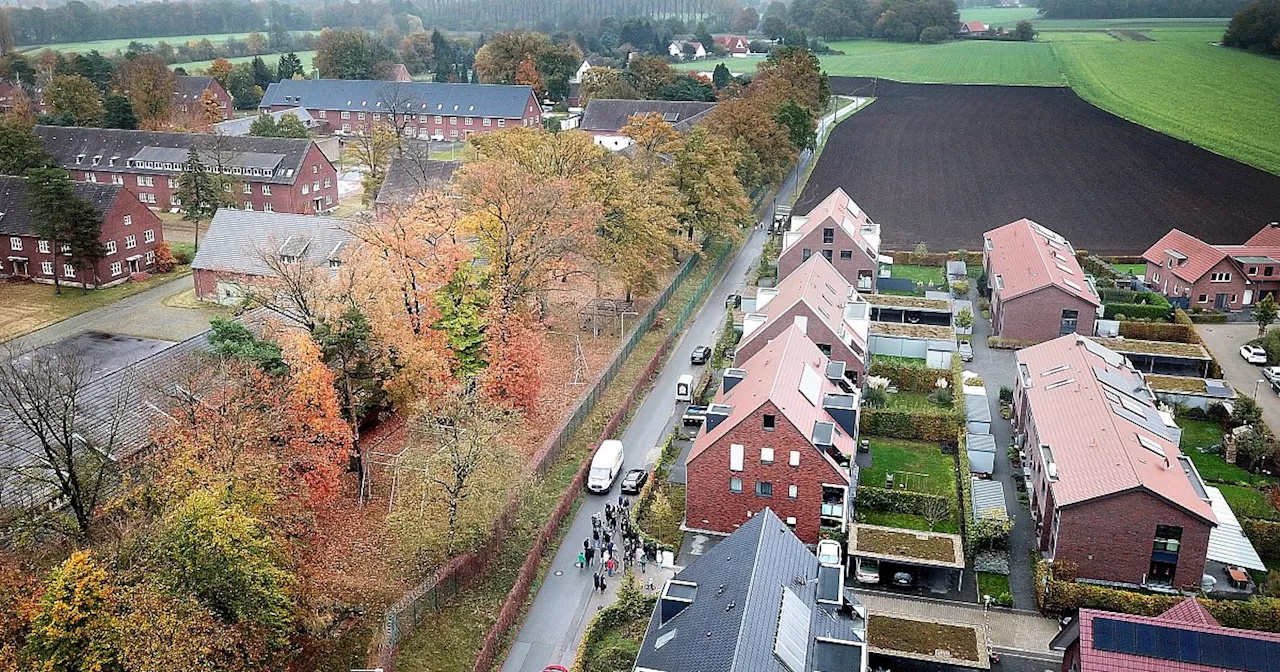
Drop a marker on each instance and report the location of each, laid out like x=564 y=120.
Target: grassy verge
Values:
x=449 y=638
x=995 y=585
x=837 y=103
x=1248 y=502
x=914 y=402
x=28 y=306
x=1201 y=434
x=906 y=521
x=921 y=274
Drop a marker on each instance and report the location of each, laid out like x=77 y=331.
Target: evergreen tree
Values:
x=20 y=147
x=65 y=219
x=721 y=77
x=118 y=113
x=261 y=75
x=288 y=66
x=200 y=192
x=263 y=127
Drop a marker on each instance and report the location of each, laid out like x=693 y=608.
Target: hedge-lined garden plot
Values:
x=942 y=164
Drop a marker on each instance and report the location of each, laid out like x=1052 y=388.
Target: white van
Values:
x=684 y=388
x=605 y=466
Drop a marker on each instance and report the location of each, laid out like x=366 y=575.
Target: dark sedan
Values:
x=700 y=355
x=633 y=481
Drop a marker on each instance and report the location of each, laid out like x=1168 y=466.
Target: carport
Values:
x=909 y=310
x=930 y=551
x=935 y=345
x=1163 y=357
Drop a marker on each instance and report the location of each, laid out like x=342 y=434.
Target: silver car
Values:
x=966 y=351
x=1271 y=373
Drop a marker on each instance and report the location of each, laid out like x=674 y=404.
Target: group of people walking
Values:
x=614 y=544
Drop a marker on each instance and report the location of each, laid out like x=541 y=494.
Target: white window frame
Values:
x=766 y=456
x=130 y=242
x=266 y=190
x=149 y=236
x=111 y=247
x=1221 y=276
x=795 y=458
x=46 y=267
x=736 y=456
x=15 y=243
x=68 y=271
x=116 y=268
x=793 y=491
x=43 y=246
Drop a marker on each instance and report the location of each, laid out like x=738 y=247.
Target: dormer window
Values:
x=288 y=259
x=79 y=159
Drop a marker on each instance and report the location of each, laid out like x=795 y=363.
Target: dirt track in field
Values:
x=943 y=163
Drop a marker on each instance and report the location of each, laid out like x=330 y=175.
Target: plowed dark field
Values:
x=942 y=164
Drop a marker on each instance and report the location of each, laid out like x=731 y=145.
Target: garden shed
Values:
x=982 y=453
x=977 y=410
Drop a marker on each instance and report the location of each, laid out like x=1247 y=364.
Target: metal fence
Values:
x=403 y=616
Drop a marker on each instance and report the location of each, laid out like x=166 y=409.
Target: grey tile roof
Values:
x=190 y=87
x=15 y=218
x=610 y=114
x=66 y=145
x=407 y=177
x=242 y=125
x=732 y=622
x=237 y=239
x=367 y=95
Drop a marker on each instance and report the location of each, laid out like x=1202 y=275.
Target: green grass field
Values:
x=270 y=59
x=926 y=468
x=1248 y=502
x=107 y=47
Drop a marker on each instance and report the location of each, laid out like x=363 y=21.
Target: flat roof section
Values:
x=1157 y=348
x=918 y=639
x=908 y=302
x=908 y=547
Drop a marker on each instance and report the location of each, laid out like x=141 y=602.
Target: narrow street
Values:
x=1223 y=342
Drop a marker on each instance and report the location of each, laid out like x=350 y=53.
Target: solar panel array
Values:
x=1188 y=646
x=791 y=644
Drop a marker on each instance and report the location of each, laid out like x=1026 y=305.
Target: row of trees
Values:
x=651 y=78
x=898 y=20
x=359 y=54
x=1256 y=28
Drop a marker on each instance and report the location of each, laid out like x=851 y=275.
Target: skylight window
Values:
x=1071 y=284
x=1152 y=446
x=1059 y=383
x=1056 y=369
x=791 y=644
x=1065 y=269
x=811 y=385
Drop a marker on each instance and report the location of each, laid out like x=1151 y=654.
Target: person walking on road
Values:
x=609 y=565
x=591 y=555
x=595 y=580
x=642 y=559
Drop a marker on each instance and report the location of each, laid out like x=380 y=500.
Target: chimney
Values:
x=716 y=414
x=732 y=377
x=843 y=409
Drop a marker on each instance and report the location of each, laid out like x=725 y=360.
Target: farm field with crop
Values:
x=943 y=164
x=107 y=47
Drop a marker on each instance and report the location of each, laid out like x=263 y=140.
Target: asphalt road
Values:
x=1224 y=341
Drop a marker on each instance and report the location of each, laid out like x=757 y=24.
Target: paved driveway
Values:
x=1224 y=341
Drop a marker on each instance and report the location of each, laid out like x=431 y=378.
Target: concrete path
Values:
x=1009 y=630
x=1224 y=341
x=997 y=368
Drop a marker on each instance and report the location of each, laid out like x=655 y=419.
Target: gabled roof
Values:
x=974 y=26
x=368 y=95
x=611 y=115
x=1028 y=257
x=1267 y=236
x=242 y=125
x=407 y=177
x=1104 y=433
x=237 y=240
x=1186 y=638
x=1196 y=257
x=278 y=159
x=789 y=371
x=734 y=43
x=190 y=88
x=837 y=210
x=399 y=73
x=732 y=622
x=15 y=217
x=829 y=297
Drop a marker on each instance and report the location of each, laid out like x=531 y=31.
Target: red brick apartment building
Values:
x=130 y=233
x=271 y=174
x=188 y=89
x=827 y=309
x=780 y=435
x=1038 y=290
x=1194 y=274
x=840 y=231
x=1110 y=491
x=434 y=110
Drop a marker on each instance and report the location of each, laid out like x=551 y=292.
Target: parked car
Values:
x=1275 y=386
x=605 y=466
x=701 y=355
x=1271 y=373
x=903 y=579
x=694 y=415
x=966 y=351
x=633 y=481
x=829 y=552
x=867 y=570
x=1253 y=354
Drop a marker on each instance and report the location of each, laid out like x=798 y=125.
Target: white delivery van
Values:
x=684 y=388
x=605 y=466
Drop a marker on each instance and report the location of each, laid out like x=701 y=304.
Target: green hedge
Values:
x=1264 y=535
x=899 y=424
x=1116 y=295
x=910 y=377
x=1143 y=306
x=1159 y=331
x=1209 y=318
x=1008 y=343
x=607 y=619
x=893 y=501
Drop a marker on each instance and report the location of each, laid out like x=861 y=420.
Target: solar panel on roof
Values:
x=792 y=640
x=829 y=583
x=1214 y=649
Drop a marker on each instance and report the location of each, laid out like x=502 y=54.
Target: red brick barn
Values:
x=825 y=308
x=779 y=435
x=270 y=174
x=1038 y=290
x=1194 y=274
x=1110 y=491
x=187 y=91
x=435 y=110
x=130 y=233
x=735 y=45
x=840 y=231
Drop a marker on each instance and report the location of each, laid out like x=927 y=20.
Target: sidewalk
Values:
x=1008 y=630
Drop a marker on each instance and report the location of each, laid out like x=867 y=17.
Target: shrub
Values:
x=1159 y=331
x=934 y=34
x=942 y=397
x=1006 y=394
x=960 y=287
x=1008 y=343
x=875 y=398
x=1145 y=305
x=165 y=261
x=1208 y=318
x=896 y=501
x=1264 y=535
x=911 y=377
x=183 y=254
x=904 y=425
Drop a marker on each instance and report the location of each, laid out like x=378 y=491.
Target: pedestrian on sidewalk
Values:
x=606 y=537
x=602 y=584
x=595 y=580
x=609 y=565
x=642 y=559
x=591 y=555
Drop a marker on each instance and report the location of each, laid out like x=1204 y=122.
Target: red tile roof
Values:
x=1200 y=256
x=1028 y=257
x=777 y=373
x=975 y=26
x=734 y=43
x=1102 y=426
x=1268 y=236
x=1187 y=616
x=837 y=209
x=820 y=286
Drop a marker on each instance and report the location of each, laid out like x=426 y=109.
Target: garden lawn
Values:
x=906 y=521
x=924 y=274
x=916 y=457
x=1198 y=434
x=27 y=306
x=916 y=403
x=1132 y=269
x=1248 y=502
x=992 y=584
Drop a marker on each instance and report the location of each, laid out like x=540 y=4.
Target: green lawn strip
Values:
x=1248 y=502
x=914 y=457
x=915 y=273
x=1131 y=269
x=991 y=584
x=26 y=307
x=914 y=402
x=109 y=47
x=955 y=62
x=907 y=521
x=450 y=638
x=198 y=66
x=1199 y=434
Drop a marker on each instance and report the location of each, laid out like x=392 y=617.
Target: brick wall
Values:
x=446 y=126
x=1162 y=279
x=1037 y=316
x=815 y=329
x=857 y=263
x=711 y=506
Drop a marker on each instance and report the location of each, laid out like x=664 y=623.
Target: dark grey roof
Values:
x=368 y=95
x=190 y=87
x=15 y=219
x=115 y=152
x=732 y=622
x=237 y=239
x=610 y=114
x=409 y=176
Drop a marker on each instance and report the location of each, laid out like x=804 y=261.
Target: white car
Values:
x=829 y=552
x=1271 y=373
x=867 y=570
x=1253 y=354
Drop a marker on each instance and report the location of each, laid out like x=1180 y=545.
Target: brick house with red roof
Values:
x=736 y=45
x=780 y=435
x=1038 y=290
x=188 y=90
x=1110 y=491
x=1194 y=274
x=823 y=305
x=842 y=232
x=973 y=29
x=1185 y=638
